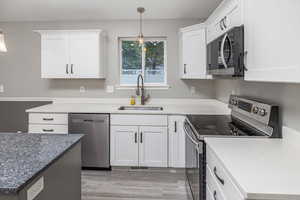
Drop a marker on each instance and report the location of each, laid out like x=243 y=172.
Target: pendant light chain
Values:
x=141 y=10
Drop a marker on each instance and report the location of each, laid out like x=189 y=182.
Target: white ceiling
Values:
x=52 y=10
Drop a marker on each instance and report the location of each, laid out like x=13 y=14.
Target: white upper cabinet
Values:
x=192 y=46
x=55 y=55
x=73 y=54
x=272 y=41
x=226 y=16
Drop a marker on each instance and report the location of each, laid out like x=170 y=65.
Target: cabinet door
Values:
x=272 y=40
x=124 y=146
x=176 y=142
x=226 y=16
x=194 y=54
x=233 y=17
x=84 y=55
x=55 y=55
x=153 y=146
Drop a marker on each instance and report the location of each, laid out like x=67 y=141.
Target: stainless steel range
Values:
x=249 y=118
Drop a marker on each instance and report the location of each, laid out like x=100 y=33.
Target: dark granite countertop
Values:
x=24 y=156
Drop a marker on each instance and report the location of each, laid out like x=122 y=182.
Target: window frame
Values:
x=158 y=39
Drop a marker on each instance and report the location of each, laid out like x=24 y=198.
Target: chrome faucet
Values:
x=140 y=91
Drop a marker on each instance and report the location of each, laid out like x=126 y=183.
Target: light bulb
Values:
x=141 y=39
x=2 y=43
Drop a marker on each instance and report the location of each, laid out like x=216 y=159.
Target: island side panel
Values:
x=62 y=179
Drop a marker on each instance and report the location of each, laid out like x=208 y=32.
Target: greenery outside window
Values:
x=148 y=59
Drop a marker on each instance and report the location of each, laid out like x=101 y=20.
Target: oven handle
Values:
x=222 y=50
x=190 y=137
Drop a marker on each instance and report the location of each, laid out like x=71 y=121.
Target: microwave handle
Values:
x=222 y=51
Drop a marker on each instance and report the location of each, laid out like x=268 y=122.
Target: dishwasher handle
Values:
x=75 y=121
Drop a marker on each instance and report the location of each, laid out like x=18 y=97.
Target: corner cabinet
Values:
x=192 y=52
x=72 y=54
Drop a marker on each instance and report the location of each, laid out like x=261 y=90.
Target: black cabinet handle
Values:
x=72 y=68
x=215 y=195
x=175 y=126
x=221 y=25
x=141 y=139
x=67 y=68
x=224 y=22
x=48 y=130
x=217 y=176
x=48 y=119
x=88 y=120
x=184 y=68
x=135 y=137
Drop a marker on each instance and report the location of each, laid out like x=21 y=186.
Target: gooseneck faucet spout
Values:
x=140 y=90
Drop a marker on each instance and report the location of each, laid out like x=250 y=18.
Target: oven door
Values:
x=195 y=160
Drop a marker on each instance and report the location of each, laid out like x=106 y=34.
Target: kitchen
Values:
x=69 y=73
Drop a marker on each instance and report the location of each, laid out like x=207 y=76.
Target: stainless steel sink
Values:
x=153 y=108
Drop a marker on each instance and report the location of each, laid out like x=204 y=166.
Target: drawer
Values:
x=213 y=188
x=222 y=178
x=48 y=118
x=41 y=128
x=139 y=120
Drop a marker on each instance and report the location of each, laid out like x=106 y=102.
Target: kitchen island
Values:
x=40 y=166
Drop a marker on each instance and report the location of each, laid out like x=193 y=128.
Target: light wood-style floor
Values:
x=128 y=184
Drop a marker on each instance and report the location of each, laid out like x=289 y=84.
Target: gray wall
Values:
x=20 y=66
x=286 y=95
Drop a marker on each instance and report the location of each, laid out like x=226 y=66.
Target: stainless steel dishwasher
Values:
x=95 y=143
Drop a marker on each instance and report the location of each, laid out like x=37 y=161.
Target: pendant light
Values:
x=2 y=42
x=140 y=39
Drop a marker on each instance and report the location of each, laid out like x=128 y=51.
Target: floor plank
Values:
x=128 y=184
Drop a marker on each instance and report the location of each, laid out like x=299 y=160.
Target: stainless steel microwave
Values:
x=225 y=55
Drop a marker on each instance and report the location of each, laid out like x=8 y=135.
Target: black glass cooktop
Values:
x=206 y=125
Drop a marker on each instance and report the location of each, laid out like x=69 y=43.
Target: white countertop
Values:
x=182 y=107
x=262 y=168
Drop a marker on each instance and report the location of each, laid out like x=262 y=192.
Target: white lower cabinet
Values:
x=219 y=181
x=49 y=123
x=145 y=146
x=124 y=146
x=176 y=141
x=153 y=146
x=139 y=140
x=49 y=128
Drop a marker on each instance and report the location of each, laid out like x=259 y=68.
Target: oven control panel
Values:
x=261 y=115
x=253 y=109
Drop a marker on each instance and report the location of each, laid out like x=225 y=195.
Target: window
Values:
x=148 y=60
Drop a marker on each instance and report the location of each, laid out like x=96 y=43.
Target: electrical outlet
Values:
x=35 y=189
x=193 y=90
x=82 y=89
x=1 y=88
x=110 y=89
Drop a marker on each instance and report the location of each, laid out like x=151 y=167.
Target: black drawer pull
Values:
x=48 y=119
x=217 y=176
x=215 y=195
x=48 y=130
